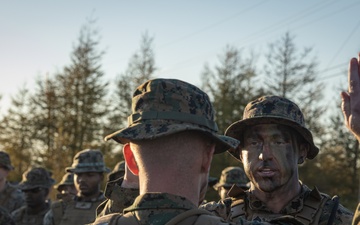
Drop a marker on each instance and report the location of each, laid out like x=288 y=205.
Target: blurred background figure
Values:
x=88 y=168
x=230 y=176
x=11 y=197
x=66 y=187
x=36 y=184
x=5 y=217
x=117 y=172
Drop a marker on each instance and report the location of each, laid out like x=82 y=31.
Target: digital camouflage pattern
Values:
x=272 y=109
x=22 y=217
x=118 y=198
x=118 y=171
x=5 y=217
x=232 y=175
x=11 y=197
x=36 y=177
x=67 y=179
x=254 y=209
x=165 y=106
x=74 y=212
x=162 y=208
x=5 y=161
x=88 y=160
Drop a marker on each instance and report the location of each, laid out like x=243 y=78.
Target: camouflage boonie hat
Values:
x=88 y=160
x=119 y=167
x=272 y=109
x=36 y=177
x=5 y=161
x=162 y=107
x=67 y=179
x=232 y=175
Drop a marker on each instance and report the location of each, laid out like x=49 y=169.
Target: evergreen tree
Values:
x=141 y=68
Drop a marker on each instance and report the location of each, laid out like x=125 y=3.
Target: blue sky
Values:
x=37 y=36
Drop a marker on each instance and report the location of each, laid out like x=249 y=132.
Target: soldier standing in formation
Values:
x=66 y=188
x=274 y=140
x=169 y=143
x=11 y=197
x=36 y=184
x=229 y=176
x=88 y=168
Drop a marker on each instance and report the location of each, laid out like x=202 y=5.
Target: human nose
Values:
x=265 y=153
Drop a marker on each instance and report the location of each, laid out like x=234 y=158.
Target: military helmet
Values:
x=88 y=160
x=162 y=107
x=272 y=109
x=36 y=177
x=67 y=179
x=232 y=175
x=5 y=161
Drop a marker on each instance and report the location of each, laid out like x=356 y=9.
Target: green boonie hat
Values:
x=5 y=161
x=36 y=177
x=67 y=179
x=119 y=167
x=272 y=109
x=162 y=107
x=232 y=175
x=88 y=160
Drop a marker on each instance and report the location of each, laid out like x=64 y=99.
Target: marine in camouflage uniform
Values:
x=36 y=184
x=5 y=217
x=117 y=172
x=11 y=197
x=274 y=139
x=88 y=168
x=172 y=120
x=229 y=176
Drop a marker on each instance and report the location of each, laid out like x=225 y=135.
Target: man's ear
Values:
x=303 y=150
x=130 y=159
x=207 y=159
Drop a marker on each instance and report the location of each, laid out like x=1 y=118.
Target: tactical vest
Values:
x=190 y=217
x=309 y=214
x=75 y=212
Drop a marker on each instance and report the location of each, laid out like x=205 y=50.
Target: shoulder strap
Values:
x=182 y=218
x=312 y=209
x=118 y=218
x=334 y=209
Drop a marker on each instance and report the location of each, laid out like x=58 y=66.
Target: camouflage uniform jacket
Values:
x=167 y=209
x=5 y=217
x=73 y=212
x=11 y=198
x=22 y=217
x=309 y=207
x=118 y=198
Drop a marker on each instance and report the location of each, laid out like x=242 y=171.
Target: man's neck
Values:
x=277 y=200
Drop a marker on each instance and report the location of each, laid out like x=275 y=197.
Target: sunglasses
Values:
x=34 y=190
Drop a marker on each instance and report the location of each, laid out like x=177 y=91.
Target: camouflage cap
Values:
x=67 y=179
x=232 y=175
x=88 y=160
x=272 y=109
x=162 y=107
x=5 y=161
x=119 y=167
x=36 y=177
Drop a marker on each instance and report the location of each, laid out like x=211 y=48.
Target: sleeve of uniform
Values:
x=220 y=208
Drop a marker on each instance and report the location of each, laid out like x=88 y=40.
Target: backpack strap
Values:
x=188 y=217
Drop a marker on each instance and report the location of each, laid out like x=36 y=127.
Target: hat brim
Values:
x=151 y=129
x=28 y=186
x=237 y=129
x=84 y=170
